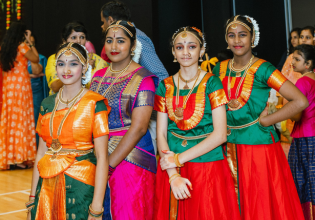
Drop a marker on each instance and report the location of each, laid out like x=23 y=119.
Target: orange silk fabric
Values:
x=217 y=98
x=276 y=80
x=80 y=124
x=159 y=104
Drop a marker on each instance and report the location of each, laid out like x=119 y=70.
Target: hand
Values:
x=93 y=218
x=33 y=76
x=28 y=36
x=180 y=189
x=28 y=216
x=167 y=160
x=263 y=115
x=92 y=63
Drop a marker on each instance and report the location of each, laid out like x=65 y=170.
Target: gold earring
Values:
x=175 y=60
x=83 y=76
x=228 y=48
x=132 y=53
x=201 y=60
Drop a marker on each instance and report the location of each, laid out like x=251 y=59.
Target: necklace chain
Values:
x=111 y=85
x=187 y=81
x=189 y=93
x=68 y=102
x=241 y=81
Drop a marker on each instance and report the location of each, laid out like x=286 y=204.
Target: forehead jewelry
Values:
x=117 y=25
x=184 y=34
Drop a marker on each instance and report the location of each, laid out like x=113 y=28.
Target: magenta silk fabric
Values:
x=306 y=126
x=131 y=192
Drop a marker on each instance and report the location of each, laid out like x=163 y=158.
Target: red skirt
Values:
x=266 y=186
x=213 y=195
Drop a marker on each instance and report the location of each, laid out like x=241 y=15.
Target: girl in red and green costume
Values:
x=193 y=178
x=262 y=176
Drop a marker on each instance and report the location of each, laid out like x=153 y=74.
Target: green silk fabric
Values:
x=254 y=134
x=203 y=127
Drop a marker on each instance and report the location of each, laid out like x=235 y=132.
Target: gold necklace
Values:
x=179 y=111
x=56 y=145
x=111 y=85
x=239 y=71
x=117 y=71
x=234 y=104
x=68 y=102
x=187 y=81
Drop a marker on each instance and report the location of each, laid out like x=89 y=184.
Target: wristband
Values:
x=173 y=177
x=178 y=164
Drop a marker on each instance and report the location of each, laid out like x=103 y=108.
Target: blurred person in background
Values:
x=17 y=125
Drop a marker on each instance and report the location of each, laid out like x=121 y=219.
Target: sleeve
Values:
x=274 y=78
x=146 y=93
x=216 y=92
x=42 y=111
x=100 y=125
x=99 y=62
x=90 y=47
x=149 y=58
x=159 y=100
x=50 y=70
x=216 y=70
x=23 y=48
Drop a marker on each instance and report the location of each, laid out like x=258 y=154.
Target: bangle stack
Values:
x=173 y=177
x=178 y=164
x=95 y=214
x=30 y=205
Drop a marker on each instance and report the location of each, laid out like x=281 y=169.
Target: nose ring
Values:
x=68 y=72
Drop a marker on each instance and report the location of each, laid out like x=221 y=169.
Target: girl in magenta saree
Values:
x=132 y=163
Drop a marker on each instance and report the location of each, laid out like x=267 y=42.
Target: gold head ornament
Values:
x=69 y=50
x=234 y=24
x=183 y=34
x=117 y=25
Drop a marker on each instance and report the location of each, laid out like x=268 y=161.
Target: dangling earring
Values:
x=228 y=48
x=132 y=53
x=201 y=60
x=253 y=45
x=175 y=60
x=83 y=76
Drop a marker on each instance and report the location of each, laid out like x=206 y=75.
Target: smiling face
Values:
x=117 y=45
x=77 y=37
x=187 y=50
x=294 y=38
x=69 y=69
x=239 y=39
x=306 y=37
x=299 y=64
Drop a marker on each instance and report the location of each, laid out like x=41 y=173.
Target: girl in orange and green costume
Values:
x=262 y=177
x=70 y=178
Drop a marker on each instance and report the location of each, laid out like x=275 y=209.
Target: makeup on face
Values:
x=239 y=39
x=69 y=69
x=117 y=45
x=306 y=37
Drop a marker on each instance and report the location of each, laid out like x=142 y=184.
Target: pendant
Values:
x=234 y=104
x=228 y=132
x=184 y=143
x=186 y=86
x=238 y=74
x=179 y=113
x=56 y=145
x=53 y=157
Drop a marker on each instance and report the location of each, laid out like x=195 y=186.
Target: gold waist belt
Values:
x=184 y=138
x=69 y=151
x=241 y=126
x=119 y=129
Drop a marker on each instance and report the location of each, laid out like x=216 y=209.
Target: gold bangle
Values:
x=95 y=212
x=173 y=177
x=176 y=160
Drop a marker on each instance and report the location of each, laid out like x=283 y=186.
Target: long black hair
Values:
x=307 y=52
x=14 y=36
x=291 y=48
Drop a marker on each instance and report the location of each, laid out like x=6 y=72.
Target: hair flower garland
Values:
x=256 y=30
x=88 y=73
x=137 y=51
